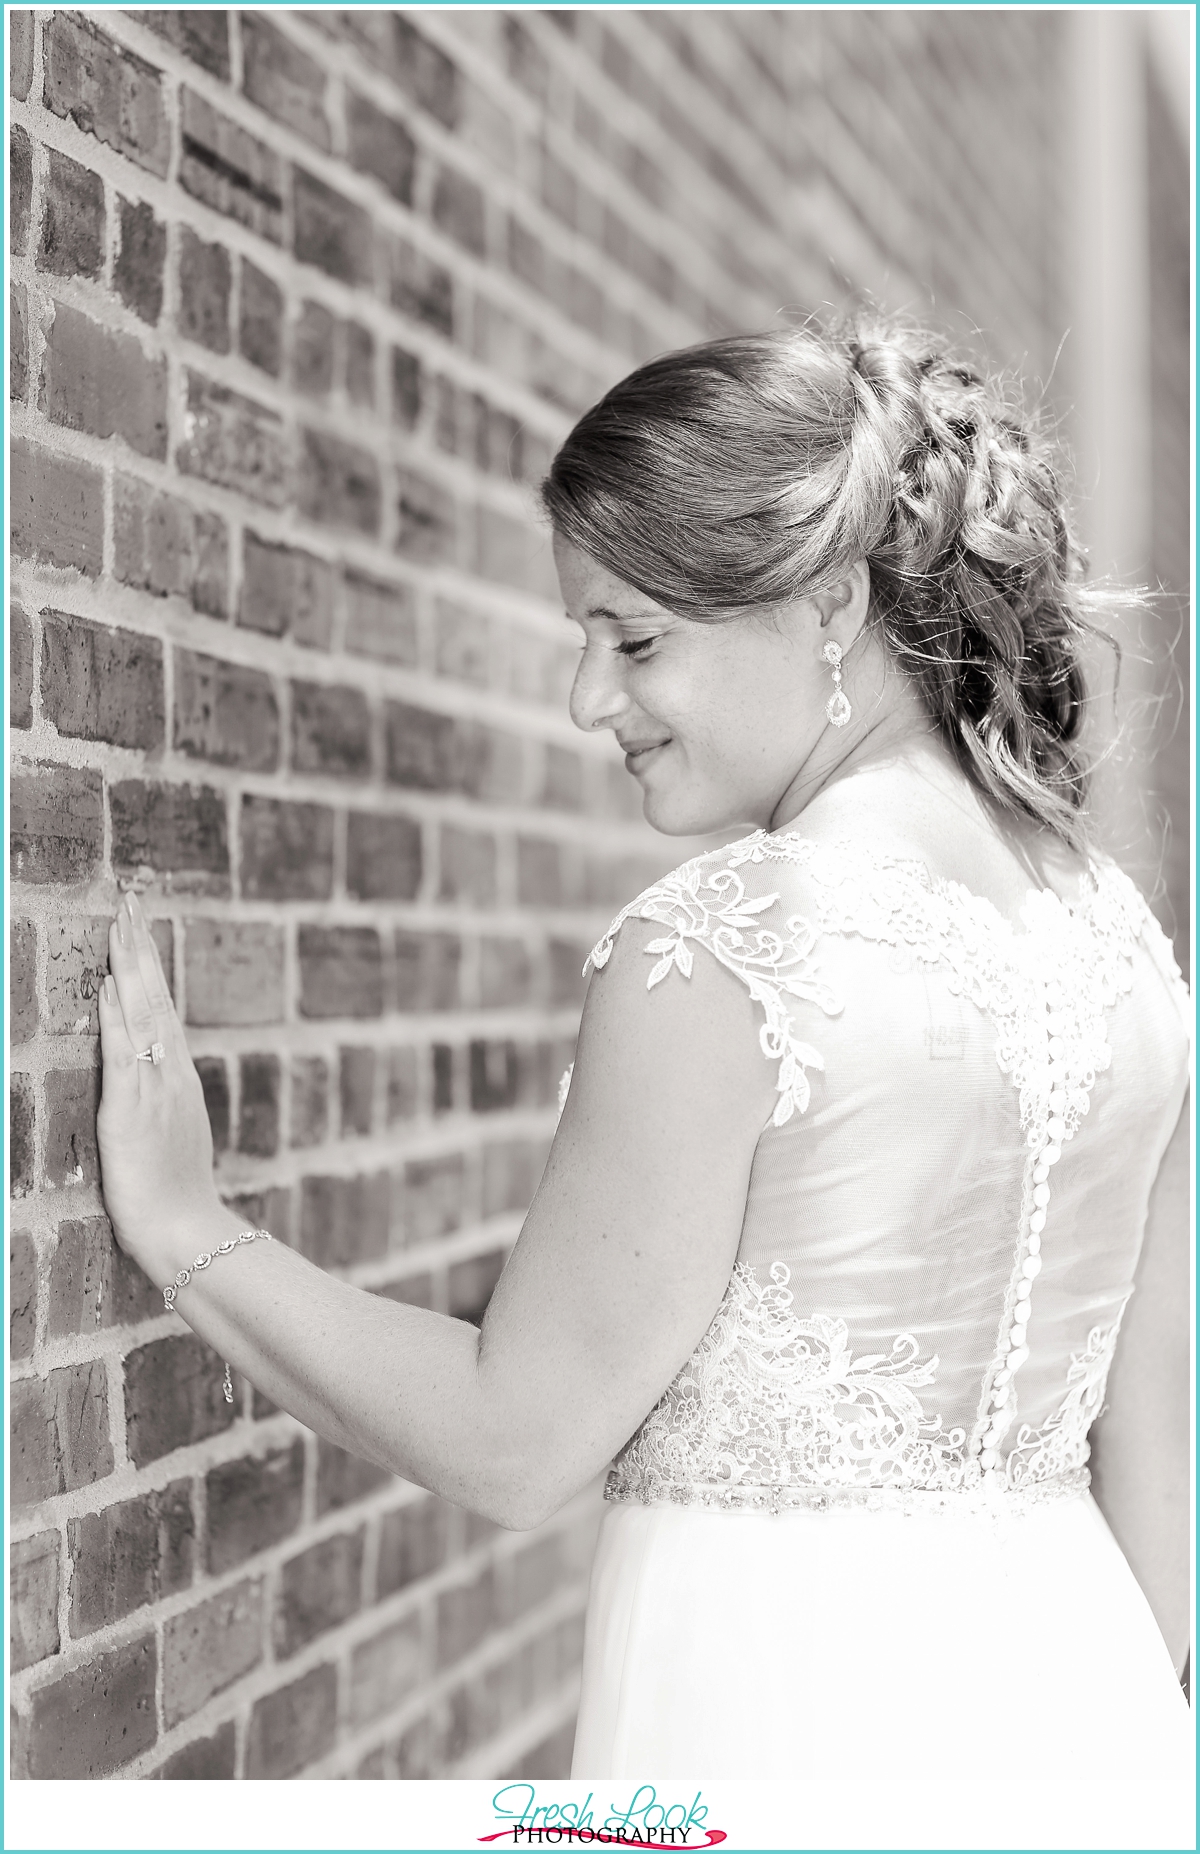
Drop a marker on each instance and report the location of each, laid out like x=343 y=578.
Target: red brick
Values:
x=385 y=1669
x=312 y=350
x=205 y=1758
x=253 y=1502
x=458 y=209
x=173 y=1397
x=338 y=484
x=463 y=644
x=513 y=554
x=96 y=1718
x=379 y=145
x=107 y=91
x=449 y=1088
x=426 y=521
x=214 y=1080
x=343 y=1478
x=414 y=1541
x=464 y=1616
x=258 y=1120
x=20 y=184
x=205 y=280
x=18 y=343
x=341 y=973
x=344 y=1220
x=310 y=1100
x=138 y=269
x=470 y=1284
x=230 y=170
x=381 y=620
x=129 y=1555
x=76 y=962
x=494 y=1076
x=71 y=240
x=22 y=1294
x=225 y=712
x=207 y=1648
x=330 y=231
x=265 y=1210
x=177 y=833
x=93 y=1284
x=97 y=381
x=285 y=590
x=22 y=986
x=360 y=363
x=21 y=1135
x=20 y=52
x=164 y=546
x=202 y=35
x=549 y=1760
x=403 y=1087
x=283 y=80
x=467 y=865
x=356 y=1089
x=434 y=1197
x=540 y=880
x=59 y=1436
x=260 y=319
x=383 y=856
x=420 y=747
x=57 y=823
x=406 y=388
x=292 y=1727
x=318 y=1589
x=33 y=1599
x=331 y=730
x=20 y=668
x=286 y=850
x=418 y=287
x=57 y=508
x=101 y=684
x=504 y=973
x=234 y=972
x=511 y=1171
x=428 y=969
x=234 y=442
x=72 y=1100
x=411 y=1290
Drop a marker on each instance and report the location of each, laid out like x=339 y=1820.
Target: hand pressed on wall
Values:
x=153 y=1132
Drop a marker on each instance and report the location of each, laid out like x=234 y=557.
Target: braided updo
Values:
x=753 y=470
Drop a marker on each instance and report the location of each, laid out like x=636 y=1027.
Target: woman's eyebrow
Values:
x=606 y=611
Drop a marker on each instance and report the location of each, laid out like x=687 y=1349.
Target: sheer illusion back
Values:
x=946 y=1208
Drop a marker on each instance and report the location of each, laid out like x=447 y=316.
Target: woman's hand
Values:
x=154 y=1137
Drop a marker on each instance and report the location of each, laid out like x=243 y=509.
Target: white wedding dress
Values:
x=854 y=1538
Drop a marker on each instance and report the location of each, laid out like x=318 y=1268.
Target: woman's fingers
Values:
x=120 y=1058
x=141 y=1022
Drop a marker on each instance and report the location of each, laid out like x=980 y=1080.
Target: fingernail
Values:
x=109 y=990
x=123 y=934
x=129 y=902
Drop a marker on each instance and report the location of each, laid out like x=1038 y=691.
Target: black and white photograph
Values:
x=599 y=924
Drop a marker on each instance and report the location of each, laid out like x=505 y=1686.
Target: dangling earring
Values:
x=838 y=706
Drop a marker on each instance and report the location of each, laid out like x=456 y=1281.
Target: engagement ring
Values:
x=154 y=1054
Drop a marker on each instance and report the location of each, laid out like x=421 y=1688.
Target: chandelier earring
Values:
x=838 y=706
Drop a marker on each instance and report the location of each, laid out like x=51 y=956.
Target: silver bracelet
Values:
x=204 y=1260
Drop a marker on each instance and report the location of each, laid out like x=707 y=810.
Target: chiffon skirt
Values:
x=858 y=1644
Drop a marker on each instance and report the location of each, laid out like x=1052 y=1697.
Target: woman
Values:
x=877 y=1119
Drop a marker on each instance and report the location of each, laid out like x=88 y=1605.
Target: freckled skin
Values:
x=731 y=714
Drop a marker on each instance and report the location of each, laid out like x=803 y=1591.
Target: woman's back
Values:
x=945 y=1212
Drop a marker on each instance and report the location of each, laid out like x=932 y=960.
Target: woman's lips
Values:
x=637 y=753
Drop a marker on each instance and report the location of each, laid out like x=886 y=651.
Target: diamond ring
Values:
x=154 y=1054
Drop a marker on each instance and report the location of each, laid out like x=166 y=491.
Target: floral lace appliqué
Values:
x=711 y=908
x=1061 y=1443
x=768 y=1398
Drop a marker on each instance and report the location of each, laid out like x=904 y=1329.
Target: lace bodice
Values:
x=947 y=1204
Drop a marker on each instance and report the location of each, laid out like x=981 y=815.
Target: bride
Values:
x=866 y=1218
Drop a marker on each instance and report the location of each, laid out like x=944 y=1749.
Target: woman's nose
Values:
x=597 y=697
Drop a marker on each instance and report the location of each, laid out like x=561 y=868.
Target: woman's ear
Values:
x=843 y=606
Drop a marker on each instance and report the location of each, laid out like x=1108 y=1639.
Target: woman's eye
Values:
x=634 y=646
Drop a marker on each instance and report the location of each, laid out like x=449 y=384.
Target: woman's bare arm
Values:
x=1141 y=1445
x=621 y=1263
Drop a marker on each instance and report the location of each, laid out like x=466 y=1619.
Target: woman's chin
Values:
x=678 y=814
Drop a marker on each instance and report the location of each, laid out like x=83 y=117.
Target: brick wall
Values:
x=301 y=304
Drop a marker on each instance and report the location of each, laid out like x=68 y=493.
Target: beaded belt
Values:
x=990 y=1494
